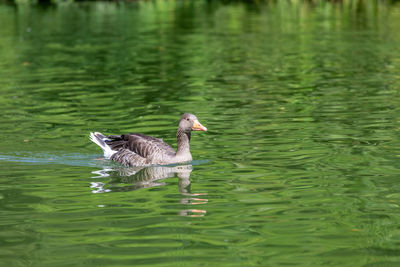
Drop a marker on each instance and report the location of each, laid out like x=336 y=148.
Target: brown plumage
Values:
x=136 y=149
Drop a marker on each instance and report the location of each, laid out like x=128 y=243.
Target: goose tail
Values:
x=99 y=139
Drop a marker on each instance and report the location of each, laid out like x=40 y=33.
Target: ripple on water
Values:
x=299 y=166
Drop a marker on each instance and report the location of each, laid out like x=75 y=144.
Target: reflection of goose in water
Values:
x=133 y=178
x=141 y=177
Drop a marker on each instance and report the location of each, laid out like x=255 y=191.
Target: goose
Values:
x=137 y=149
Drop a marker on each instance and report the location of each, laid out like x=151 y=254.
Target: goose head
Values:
x=189 y=122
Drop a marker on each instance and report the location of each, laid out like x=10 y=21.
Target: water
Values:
x=300 y=165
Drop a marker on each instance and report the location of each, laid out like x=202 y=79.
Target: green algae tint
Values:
x=300 y=165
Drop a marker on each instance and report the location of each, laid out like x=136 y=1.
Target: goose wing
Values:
x=145 y=146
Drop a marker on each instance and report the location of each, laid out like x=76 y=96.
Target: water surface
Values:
x=300 y=165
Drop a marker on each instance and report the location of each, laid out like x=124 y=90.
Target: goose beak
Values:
x=198 y=127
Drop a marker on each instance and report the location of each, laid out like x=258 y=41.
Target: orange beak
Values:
x=198 y=127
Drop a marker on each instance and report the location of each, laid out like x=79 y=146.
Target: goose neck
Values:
x=183 y=142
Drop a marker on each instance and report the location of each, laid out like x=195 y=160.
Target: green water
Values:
x=300 y=166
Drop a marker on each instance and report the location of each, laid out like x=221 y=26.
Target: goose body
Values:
x=137 y=149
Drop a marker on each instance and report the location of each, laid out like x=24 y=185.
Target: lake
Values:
x=300 y=165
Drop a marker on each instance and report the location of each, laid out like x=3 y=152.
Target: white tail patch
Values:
x=99 y=139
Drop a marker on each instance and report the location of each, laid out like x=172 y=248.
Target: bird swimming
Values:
x=137 y=149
